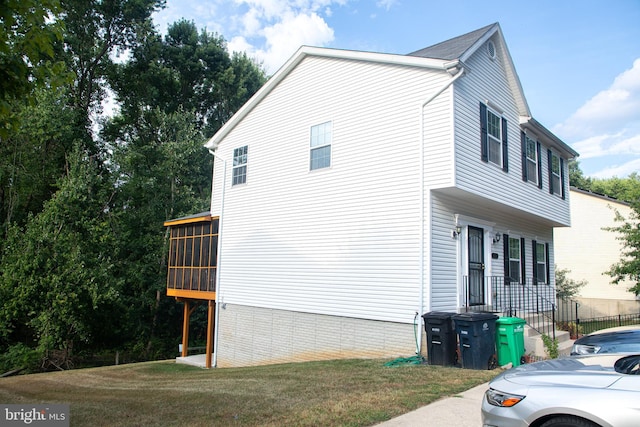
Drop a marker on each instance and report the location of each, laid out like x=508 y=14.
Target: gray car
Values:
x=579 y=391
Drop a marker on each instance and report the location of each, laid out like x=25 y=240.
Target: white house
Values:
x=359 y=190
x=588 y=250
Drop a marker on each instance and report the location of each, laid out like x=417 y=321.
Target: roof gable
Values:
x=456 y=47
x=445 y=56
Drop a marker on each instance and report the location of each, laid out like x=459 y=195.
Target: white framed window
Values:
x=494 y=134
x=541 y=262
x=532 y=160
x=555 y=174
x=239 y=175
x=320 y=146
x=514 y=259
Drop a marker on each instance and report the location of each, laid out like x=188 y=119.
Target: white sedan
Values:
x=579 y=391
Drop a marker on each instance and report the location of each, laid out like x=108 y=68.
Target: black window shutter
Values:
x=505 y=252
x=484 y=143
x=562 y=177
x=549 y=161
x=539 y=147
x=523 y=141
x=534 y=256
x=546 y=249
x=505 y=148
x=523 y=265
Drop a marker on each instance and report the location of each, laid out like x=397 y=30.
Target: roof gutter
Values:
x=457 y=70
x=537 y=127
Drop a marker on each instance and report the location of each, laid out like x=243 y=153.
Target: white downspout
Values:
x=459 y=74
x=216 y=330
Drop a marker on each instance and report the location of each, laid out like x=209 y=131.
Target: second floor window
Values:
x=493 y=132
x=320 y=146
x=555 y=174
x=240 y=165
x=531 y=163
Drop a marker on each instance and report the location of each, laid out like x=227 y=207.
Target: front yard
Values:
x=333 y=393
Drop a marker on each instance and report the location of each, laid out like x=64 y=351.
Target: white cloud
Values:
x=608 y=111
x=625 y=169
x=607 y=127
x=272 y=30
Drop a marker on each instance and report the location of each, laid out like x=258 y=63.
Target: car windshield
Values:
x=629 y=365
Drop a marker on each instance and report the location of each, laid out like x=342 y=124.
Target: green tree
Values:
x=576 y=176
x=628 y=268
x=186 y=70
x=623 y=189
x=34 y=156
x=58 y=276
x=565 y=286
x=163 y=172
x=29 y=29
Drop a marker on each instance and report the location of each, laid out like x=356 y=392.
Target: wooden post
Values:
x=209 y=350
x=185 y=329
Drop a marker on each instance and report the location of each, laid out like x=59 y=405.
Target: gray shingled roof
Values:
x=453 y=48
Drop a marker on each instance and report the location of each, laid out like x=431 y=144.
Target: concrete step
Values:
x=534 y=344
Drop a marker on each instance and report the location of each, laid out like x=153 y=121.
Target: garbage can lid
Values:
x=510 y=321
x=475 y=316
x=438 y=315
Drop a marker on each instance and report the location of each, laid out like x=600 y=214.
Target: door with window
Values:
x=475 y=247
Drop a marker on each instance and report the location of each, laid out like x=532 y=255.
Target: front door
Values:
x=475 y=247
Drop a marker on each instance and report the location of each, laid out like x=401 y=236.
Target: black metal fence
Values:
x=586 y=326
x=538 y=304
x=531 y=300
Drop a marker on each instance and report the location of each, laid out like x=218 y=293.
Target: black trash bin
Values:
x=441 y=338
x=477 y=339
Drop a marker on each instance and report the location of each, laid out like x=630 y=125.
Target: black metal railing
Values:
x=530 y=300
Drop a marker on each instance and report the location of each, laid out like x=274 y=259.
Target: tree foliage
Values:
x=565 y=286
x=28 y=34
x=83 y=196
x=57 y=269
x=187 y=70
x=628 y=232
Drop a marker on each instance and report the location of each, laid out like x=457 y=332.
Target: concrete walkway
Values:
x=462 y=410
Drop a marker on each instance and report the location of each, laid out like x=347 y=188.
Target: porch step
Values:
x=534 y=345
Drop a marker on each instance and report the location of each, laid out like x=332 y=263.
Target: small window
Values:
x=514 y=259
x=532 y=160
x=494 y=132
x=240 y=165
x=320 y=146
x=491 y=49
x=541 y=262
x=556 y=174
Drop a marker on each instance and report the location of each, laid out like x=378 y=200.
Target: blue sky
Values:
x=578 y=60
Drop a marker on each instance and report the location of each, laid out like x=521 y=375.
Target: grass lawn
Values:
x=333 y=393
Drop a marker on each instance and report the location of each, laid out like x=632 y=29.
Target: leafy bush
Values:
x=19 y=357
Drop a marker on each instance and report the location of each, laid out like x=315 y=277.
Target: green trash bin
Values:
x=510 y=340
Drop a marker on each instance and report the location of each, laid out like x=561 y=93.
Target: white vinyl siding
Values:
x=341 y=243
x=488 y=81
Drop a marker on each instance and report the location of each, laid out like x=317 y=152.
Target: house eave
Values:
x=529 y=123
x=308 y=51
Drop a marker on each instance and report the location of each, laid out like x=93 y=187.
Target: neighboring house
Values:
x=588 y=251
x=357 y=190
